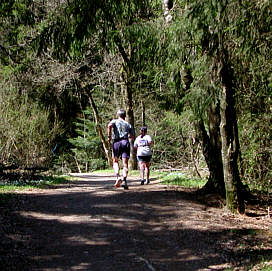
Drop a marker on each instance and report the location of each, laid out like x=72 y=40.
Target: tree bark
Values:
x=143 y=113
x=106 y=147
x=125 y=73
x=230 y=144
x=211 y=147
x=126 y=85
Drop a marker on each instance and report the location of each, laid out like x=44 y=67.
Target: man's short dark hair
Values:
x=121 y=113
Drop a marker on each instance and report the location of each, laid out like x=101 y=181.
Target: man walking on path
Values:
x=122 y=131
x=144 y=154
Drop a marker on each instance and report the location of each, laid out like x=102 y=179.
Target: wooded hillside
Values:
x=197 y=73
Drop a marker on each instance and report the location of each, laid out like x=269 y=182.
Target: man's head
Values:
x=121 y=113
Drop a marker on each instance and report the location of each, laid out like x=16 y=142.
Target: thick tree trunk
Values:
x=106 y=147
x=230 y=145
x=211 y=146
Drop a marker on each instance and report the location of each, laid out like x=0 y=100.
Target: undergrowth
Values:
x=181 y=179
x=31 y=182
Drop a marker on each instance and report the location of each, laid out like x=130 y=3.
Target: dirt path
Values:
x=90 y=225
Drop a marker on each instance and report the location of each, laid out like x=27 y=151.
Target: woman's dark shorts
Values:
x=121 y=148
x=145 y=159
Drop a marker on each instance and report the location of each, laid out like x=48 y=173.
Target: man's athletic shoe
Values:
x=124 y=184
x=118 y=182
x=142 y=182
x=147 y=181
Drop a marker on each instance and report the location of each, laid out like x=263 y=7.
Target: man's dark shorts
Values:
x=145 y=159
x=121 y=148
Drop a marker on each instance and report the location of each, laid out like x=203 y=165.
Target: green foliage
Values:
x=174 y=67
x=202 y=34
x=253 y=66
x=26 y=136
x=181 y=179
x=16 y=21
x=167 y=146
x=70 y=28
x=256 y=134
x=30 y=182
x=174 y=139
x=267 y=268
x=86 y=147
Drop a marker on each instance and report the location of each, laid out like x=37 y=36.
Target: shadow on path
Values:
x=89 y=225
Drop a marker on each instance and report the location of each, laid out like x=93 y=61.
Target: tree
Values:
x=209 y=33
x=252 y=67
x=217 y=43
x=70 y=31
x=190 y=86
x=31 y=133
x=211 y=146
x=230 y=143
x=86 y=146
x=26 y=135
x=105 y=144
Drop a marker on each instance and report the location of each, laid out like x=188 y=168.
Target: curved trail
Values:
x=90 y=225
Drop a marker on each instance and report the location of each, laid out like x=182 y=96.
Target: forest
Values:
x=196 y=72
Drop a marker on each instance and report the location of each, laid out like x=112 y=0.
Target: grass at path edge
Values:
x=43 y=182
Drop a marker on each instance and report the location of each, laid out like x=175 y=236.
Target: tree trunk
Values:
x=130 y=115
x=106 y=147
x=143 y=113
x=230 y=144
x=211 y=146
x=125 y=73
x=167 y=6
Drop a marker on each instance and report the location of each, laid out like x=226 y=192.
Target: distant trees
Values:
x=112 y=24
x=26 y=133
x=86 y=145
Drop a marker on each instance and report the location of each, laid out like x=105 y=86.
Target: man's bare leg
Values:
x=125 y=172
x=116 y=169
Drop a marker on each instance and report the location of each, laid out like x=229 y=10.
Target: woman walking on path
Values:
x=143 y=145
